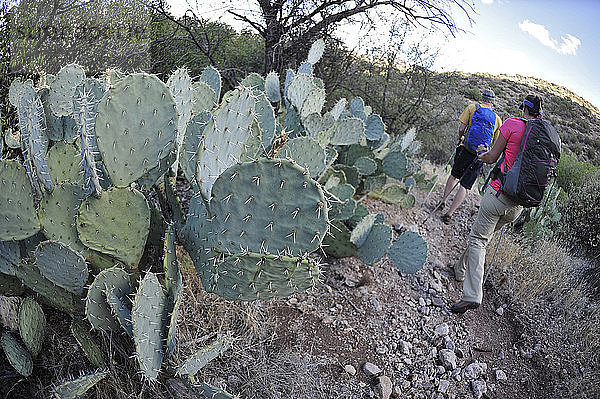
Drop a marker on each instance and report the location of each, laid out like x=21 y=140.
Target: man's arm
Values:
x=492 y=155
x=461 y=132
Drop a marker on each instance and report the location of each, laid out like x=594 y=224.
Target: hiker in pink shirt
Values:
x=496 y=209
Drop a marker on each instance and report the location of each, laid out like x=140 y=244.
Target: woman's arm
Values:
x=492 y=155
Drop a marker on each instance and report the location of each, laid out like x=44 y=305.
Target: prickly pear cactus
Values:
x=148 y=325
x=32 y=325
x=64 y=163
x=376 y=244
x=80 y=331
x=78 y=387
x=97 y=309
x=203 y=356
x=63 y=88
x=135 y=127
x=18 y=219
x=17 y=354
x=409 y=252
x=116 y=224
x=251 y=276
x=272 y=87
x=180 y=85
x=267 y=206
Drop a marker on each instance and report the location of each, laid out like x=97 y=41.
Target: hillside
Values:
x=577 y=120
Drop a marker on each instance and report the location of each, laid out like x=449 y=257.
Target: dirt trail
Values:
x=374 y=314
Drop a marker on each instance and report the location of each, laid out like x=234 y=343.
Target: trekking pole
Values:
x=489 y=268
x=438 y=178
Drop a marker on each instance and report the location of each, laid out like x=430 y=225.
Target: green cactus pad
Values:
x=343 y=210
x=120 y=309
x=315 y=123
x=289 y=75
x=32 y=325
x=76 y=388
x=63 y=88
x=193 y=145
x=362 y=229
x=299 y=89
x=307 y=153
x=272 y=87
x=54 y=124
x=204 y=390
x=348 y=131
x=409 y=252
x=148 y=311
x=366 y=166
x=14 y=91
x=50 y=293
x=116 y=224
x=135 y=127
x=265 y=115
x=359 y=213
x=342 y=191
x=395 y=165
x=10 y=256
x=227 y=136
x=394 y=194
x=375 y=246
x=316 y=51
x=332 y=178
x=204 y=98
x=173 y=287
x=351 y=173
x=337 y=242
x=196 y=230
x=313 y=103
x=64 y=163
x=62 y=266
x=254 y=81
x=376 y=182
x=252 y=276
x=212 y=77
x=180 y=85
x=97 y=309
x=267 y=206
x=9 y=312
x=18 y=218
x=338 y=108
x=374 y=127
x=357 y=106
x=58 y=214
x=203 y=356
x=293 y=124
x=80 y=331
x=17 y=355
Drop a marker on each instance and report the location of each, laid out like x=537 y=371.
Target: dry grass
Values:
x=547 y=289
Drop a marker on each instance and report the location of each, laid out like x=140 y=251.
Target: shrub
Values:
x=572 y=173
x=581 y=214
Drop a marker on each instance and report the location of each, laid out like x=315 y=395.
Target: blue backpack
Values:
x=481 y=130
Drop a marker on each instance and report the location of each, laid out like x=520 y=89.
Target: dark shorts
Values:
x=466 y=167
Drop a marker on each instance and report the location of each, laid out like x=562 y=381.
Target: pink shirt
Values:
x=512 y=130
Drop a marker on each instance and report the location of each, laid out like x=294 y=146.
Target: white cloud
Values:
x=568 y=45
x=487 y=1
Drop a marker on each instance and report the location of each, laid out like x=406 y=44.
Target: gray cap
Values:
x=488 y=95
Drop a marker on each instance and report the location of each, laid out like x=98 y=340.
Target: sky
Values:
x=554 y=40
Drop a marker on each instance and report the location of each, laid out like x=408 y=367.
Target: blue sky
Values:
x=558 y=41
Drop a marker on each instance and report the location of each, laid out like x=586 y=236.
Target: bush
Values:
x=571 y=173
x=581 y=215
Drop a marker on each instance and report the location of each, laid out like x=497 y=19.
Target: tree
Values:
x=288 y=26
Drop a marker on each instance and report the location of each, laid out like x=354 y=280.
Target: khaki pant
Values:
x=494 y=212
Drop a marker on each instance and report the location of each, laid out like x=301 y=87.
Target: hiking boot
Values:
x=462 y=306
x=447 y=219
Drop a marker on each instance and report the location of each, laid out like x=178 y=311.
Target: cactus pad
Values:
x=299 y=89
x=376 y=244
x=63 y=88
x=313 y=103
x=50 y=293
x=409 y=252
x=395 y=164
x=307 y=153
x=17 y=355
x=203 y=356
x=58 y=214
x=148 y=311
x=316 y=51
x=64 y=163
x=180 y=85
x=97 y=309
x=18 y=218
x=120 y=308
x=135 y=127
x=267 y=206
x=204 y=98
x=212 y=78
x=366 y=166
x=251 y=276
x=374 y=127
x=337 y=242
x=10 y=256
x=272 y=88
x=62 y=266
x=116 y=224
x=32 y=325
x=227 y=136
x=193 y=145
x=80 y=331
x=78 y=387
x=348 y=131
x=266 y=119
